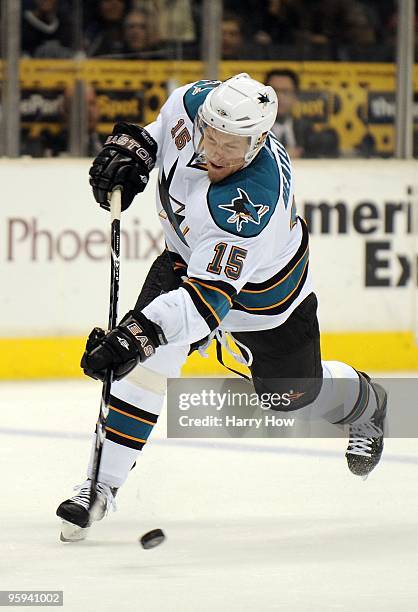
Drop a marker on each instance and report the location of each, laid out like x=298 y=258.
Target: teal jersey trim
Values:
x=276 y=296
x=196 y=95
x=285 y=166
x=243 y=203
x=213 y=299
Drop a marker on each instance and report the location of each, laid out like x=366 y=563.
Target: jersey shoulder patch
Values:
x=243 y=203
x=196 y=95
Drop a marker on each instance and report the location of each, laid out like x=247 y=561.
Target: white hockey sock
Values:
x=345 y=397
x=354 y=399
x=115 y=464
x=135 y=404
x=127 y=430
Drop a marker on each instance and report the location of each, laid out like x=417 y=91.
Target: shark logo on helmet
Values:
x=263 y=99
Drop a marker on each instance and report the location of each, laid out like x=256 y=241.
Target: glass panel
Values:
x=95 y=62
x=331 y=62
x=309 y=30
x=48 y=45
x=88 y=64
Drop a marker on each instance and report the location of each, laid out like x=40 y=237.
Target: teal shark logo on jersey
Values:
x=243 y=210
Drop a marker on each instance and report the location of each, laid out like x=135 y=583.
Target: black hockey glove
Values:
x=127 y=158
x=133 y=340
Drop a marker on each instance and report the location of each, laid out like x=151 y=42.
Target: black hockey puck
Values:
x=152 y=538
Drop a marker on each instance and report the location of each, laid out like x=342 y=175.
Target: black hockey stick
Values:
x=115 y=214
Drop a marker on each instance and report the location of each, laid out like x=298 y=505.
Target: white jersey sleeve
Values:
x=159 y=129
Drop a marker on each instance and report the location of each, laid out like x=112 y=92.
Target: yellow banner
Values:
x=32 y=358
x=356 y=99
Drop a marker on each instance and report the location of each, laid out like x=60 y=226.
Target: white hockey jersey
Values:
x=239 y=242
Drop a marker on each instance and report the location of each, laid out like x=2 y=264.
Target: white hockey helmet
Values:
x=240 y=106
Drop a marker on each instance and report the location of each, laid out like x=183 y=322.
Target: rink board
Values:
x=54 y=261
x=33 y=358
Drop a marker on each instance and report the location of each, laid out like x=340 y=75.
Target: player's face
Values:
x=225 y=153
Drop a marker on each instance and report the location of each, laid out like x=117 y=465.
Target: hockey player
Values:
x=236 y=260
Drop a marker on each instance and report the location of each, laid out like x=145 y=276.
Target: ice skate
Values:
x=74 y=512
x=365 y=445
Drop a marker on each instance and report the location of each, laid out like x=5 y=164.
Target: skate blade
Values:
x=73 y=533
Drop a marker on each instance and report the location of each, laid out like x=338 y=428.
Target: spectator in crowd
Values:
x=232 y=37
x=174 y=18
x=380 y=12
x=45 y=31
x=346 y=30
x=140 y=39
x=104 y=36
x=298 y=135
x=52 y=144
x=280 y=27
x=363 y=37
x=236 y=43
x=391 y=31
x=94 y=140
x=293 y=133
x=326 y=22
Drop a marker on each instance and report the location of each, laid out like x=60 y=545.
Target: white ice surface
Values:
x=251 y=525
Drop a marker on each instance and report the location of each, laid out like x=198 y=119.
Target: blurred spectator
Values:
x=104 y=36
x=362 y=26
x=174 y=19
x=235 y=44
x=346 y=30
x=380 y=12
x=49 y=144
x=45 y=31
x=140 y=41
x=326 y=22
x=94 y=139
x=298 y=135
x=292 y=133
x=367 y=146
x=363 y=37
x=280 y=23
x=232 y=37
x=391 y=30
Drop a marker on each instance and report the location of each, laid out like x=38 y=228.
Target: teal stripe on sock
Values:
x=128 y=425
